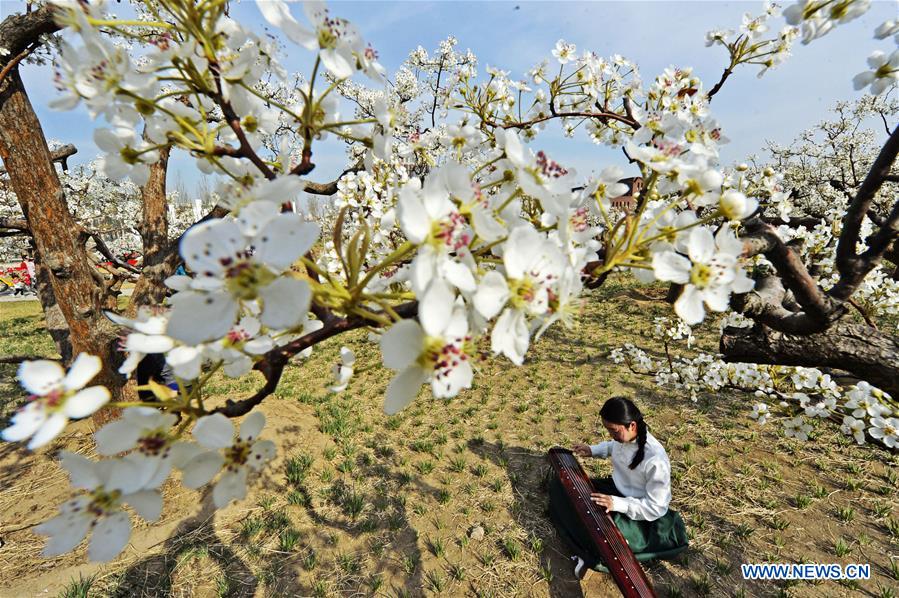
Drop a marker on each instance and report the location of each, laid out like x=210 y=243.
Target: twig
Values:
x=19 y=58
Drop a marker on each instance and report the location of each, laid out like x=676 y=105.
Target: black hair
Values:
x=621 y=410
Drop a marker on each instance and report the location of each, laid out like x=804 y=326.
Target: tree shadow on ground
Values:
x=154 y=575
x=384 y=519
x=526 y=470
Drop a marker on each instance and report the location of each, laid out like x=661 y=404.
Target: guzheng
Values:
x=610 y=544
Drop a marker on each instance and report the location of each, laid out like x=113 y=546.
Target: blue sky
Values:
x=516 y=35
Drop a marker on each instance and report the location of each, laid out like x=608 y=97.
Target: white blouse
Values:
x=647 y=487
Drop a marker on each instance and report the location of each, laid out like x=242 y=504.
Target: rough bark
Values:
x=154 y=231
x=24 y=151
x=19 y=32
x=866 y=353
x=60 y=154
x=56 y=321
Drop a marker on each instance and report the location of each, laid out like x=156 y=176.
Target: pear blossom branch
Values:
x=272 y=364
x=602 y=116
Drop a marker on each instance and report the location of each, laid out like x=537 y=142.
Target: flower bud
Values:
x=736 y=206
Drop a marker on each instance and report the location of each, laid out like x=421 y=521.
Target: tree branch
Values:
x=60 y=154
x=820 y=310
x=272 y=364
x=853 y=268
x=603 y=116
x=867 y=353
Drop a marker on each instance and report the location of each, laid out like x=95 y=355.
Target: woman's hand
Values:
x=582 y=450
x=603 y=500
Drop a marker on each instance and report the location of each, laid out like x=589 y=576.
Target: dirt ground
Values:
x=360 y=504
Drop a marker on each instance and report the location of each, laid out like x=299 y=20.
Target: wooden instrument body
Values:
x=629 y=576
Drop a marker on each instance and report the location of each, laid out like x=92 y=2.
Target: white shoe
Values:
x=578 y=567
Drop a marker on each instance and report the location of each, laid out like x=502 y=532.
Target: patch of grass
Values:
x=435 y=582
x=892 y=525
x=309 y=560
x=841 y=548
x=251 y=526
x=298 y=498
x=512 y=548
x=437 y=547
x=458 y=464
x=287 y=539
x=846 y=514
x=78 y=588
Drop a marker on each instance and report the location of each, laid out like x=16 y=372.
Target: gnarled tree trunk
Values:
x=861 y=350
x=154 y=232
x=27 y=159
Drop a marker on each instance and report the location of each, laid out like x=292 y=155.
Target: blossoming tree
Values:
x=447 y=232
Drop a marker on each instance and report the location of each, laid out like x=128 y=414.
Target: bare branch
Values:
x=727 y=73
x=820 y=310
x=60 y=154
x=21 y=358
x=331 y=187
x=17 y=224
x=853 y=268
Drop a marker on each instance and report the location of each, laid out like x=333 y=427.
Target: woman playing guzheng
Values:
x=636 y=495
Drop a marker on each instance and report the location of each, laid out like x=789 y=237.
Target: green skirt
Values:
x=663 y=538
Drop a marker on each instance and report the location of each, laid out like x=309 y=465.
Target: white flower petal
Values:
x=252 y=426
x=510 y=336
x=717 y=298
x=402 y=344
x=206 y=244
x=285 y=302
x=689 y=305
x=255 y=216
x=701 y=245
x=403 y=389
x=231 y=486
x=261 y=452
x=337 y=63
x=147 y=503
x=25 y=422
x=41 y=376
x=110 y=537
x=214 y=431
x=185 y=362
x=200 y=470
x=49 y=430
x=85 y=402
x=199 y=317
x=436 y=307
x=455 y=380
x=83 y=472
x=116 y=437
x=671 y=266
x=284 y=240
x=459 y=275
x=148 y=343
x=278 y=14
x=414 y=219
x=66 y=532
x=82 y=371
x=492 y=294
